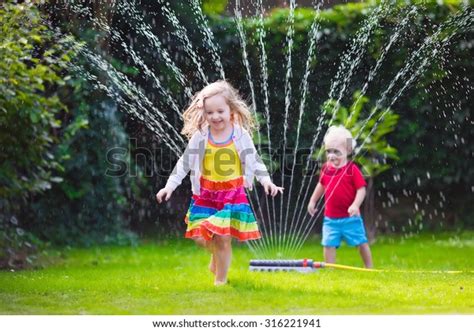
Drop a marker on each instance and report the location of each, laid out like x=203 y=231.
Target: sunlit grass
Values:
x=172 y=278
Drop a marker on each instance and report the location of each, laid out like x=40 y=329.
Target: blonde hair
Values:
x=193 y=116
x=339 y=132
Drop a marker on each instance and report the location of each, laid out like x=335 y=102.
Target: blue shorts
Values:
x=351 y=229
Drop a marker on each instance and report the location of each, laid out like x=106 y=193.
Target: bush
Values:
x=30 y=125
x=55 y=132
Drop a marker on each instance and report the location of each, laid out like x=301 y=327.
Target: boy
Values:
x=343 y=187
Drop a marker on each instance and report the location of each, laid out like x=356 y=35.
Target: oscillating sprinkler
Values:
x=303 y=265
x=307 y=265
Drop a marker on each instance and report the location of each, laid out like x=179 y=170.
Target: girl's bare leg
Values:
x=222 y=256
x=203 y=243
x=330 y=254
x=209 y=246
x=212 y=264
x=366 y=255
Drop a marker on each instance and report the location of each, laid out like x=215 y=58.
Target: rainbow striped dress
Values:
x=222 y=207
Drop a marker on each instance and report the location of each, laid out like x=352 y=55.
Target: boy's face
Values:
x=336 y=151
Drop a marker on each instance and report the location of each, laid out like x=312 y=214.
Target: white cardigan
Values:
x=192 y=160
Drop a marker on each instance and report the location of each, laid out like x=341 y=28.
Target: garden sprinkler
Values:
x=307 y=265
x=303 y=265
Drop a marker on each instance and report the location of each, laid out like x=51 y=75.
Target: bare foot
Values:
x=220 y=283
x=212 y=265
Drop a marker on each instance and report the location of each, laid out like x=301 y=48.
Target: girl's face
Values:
x=217 y=112
x=336 y=151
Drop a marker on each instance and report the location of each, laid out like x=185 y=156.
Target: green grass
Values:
x=172 y=278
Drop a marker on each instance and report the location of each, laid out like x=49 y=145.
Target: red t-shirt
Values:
x=340 y=187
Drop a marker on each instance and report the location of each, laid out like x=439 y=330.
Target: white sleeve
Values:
x=183 y=166
x=257 y=166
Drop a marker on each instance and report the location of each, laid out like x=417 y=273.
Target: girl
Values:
x=223 y=162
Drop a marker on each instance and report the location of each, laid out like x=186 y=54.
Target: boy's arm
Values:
x=359 y=198
x=317 y=194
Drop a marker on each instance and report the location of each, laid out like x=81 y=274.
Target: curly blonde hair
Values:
x=193 y=116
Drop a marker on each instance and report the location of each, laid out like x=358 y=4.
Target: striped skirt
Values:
x=222 y=208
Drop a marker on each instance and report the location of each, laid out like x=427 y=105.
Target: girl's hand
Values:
x=312 y=208
x=353 y=210
x=272 y=189
x=163 y=193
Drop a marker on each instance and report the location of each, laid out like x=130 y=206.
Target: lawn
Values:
x=172 y=278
